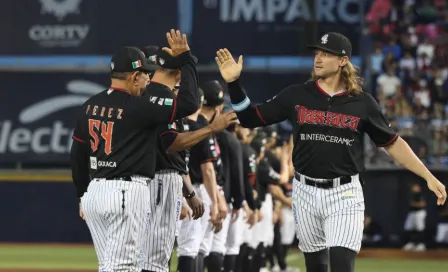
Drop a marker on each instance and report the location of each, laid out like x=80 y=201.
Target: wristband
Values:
x=190 y=195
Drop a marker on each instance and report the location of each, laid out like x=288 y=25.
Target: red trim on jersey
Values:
x=169 y=131
x=325 y=92
x=259 y=115
x=173 y=113
x=390 y=142
x=119 y=89
x=209 y=160
x=79 y=140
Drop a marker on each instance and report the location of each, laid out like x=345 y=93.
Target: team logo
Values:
x=161 y=61
x=324 y=39
x=153 y=58
x=60 y=9
x=112 y=65
x=153 y=99
x=93 y=163
x=220 y=95
x=348 y=194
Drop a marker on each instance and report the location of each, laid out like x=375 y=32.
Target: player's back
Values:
x=122 y=134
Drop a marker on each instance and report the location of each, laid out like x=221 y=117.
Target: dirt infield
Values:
x=404 y=255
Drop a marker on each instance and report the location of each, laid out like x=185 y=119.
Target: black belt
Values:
x=125 y=178
x=325 y=184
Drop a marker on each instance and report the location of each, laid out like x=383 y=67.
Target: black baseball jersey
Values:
x=216 y=152
x=177 y=160
x=266 y=176
x=416 y=197
x=121 y=131
x=232 y=166
x=202 y=152
x=168 y=132
x=443 y=213
x=249 y=173
x=328 y=129
x=273 y=160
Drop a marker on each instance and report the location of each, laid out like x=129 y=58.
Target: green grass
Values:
x=66 y=257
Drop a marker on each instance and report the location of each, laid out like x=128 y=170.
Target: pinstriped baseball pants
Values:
x=165 y=206
x=117 y=215
x=327 y=218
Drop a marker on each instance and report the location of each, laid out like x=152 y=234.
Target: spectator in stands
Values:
x=426 y=49
x=388 y=84
x=415 y=221
x=412 y=86
x=442 y=226
x=408 y=65
x=392 y=47
x=372 y=234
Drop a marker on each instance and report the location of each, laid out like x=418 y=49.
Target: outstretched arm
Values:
x=249 y=115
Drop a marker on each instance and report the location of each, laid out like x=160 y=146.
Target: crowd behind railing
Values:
x=409 y=68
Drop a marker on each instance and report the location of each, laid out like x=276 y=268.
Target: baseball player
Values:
x=166 y=192
x=442 y=226
x=227 y=241
x=415 y=221
x=111 y=147
x=329 y=114
x=213 y=244
x=250 y=206
x=203 y=177
x=268 y=190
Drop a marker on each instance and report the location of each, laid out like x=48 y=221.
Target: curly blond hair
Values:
x=350 y=76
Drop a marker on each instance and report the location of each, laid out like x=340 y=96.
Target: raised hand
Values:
x=178 y=43
x=222 y=121
x=230 y=70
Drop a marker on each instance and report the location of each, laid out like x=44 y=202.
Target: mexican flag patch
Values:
x=136 y=64
x=172 y=126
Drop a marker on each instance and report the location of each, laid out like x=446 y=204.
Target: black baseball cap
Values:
x=129 y=59
x=258 y=145
x=201 y=95
x=261 y=135
x=271 y=131
x=213 y=93
x=158 y=58
x=335 y=43
x=151 y=55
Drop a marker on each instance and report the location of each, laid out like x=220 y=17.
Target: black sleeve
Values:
x=169 y=135
x=187 y=101
x=236 y=174
x=377 y=127
x=79 y=161
x=267 y=174
x=80 y=133
x=249 y=196
x=273 y=111
x=205 y=150
x=274 y=161
x=258 y=201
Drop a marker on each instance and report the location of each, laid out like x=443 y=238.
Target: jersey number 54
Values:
x=105 y=131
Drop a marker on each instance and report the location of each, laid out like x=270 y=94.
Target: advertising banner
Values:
x=68 y=27
x=39 y=109
x=266 y=27
x=38 y=113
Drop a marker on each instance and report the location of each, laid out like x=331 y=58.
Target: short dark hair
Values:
x=118 y=75
x=124 y=75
